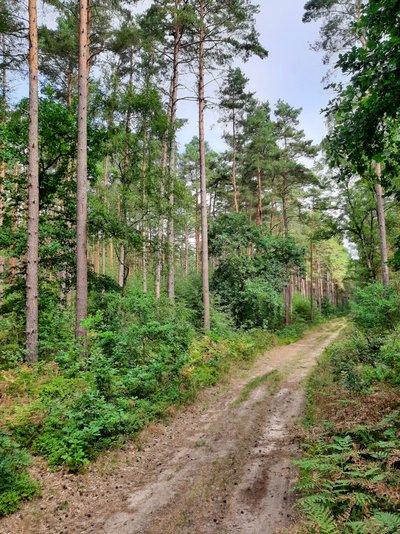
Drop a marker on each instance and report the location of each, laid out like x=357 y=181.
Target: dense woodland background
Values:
x=133 y=268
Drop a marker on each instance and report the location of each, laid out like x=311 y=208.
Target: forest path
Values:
x=222 y=465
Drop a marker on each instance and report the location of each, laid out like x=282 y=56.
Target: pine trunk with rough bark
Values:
x=82 y=180
x=197 y=232
x=311 y=280
x=288 y=293
x=2 y=163
x=203 y=177
x=259 y=197
x=160 y=233
x=234 y=177
x=172 y=154
x=382 y=228
x=186 y=250
x=32 y=255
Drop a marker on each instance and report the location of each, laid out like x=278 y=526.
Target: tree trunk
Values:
x=121 y=271
x=160 y=236
x=144 y=200
x=82 y=184
x=186 y=250
x=259 y=195
x=171 y=230
x=311 y=280
x=104 y=250
x=32 y=256
x=96 y=256
x=288 y=296
x=2 y=163
x=234 y=178
x=203 y=177
x=197 y=233
x=382 y=228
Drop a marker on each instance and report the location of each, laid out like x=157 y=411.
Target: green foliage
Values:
x=143 y=357
x=15 y=482
x=250 y=284
x=375 y=310
x=349 y=479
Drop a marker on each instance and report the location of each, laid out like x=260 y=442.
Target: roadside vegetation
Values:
x=350 y=467
x=143 y=357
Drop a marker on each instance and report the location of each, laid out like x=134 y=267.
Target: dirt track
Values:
x=223 y=465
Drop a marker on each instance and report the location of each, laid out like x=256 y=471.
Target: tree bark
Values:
x=32 y=256
x=144 y=200
x=234 y=178
x=161 y=219
x=82 y=181
x=104 y=250
x=311 y=280
x=121 y=271
x=186 y=250
x=96 y=256
x=197 y=232
x=288 y=295
x=171 y=230
x=203 y=177
x=259 y=195
x=2 y=163
x=382 y=227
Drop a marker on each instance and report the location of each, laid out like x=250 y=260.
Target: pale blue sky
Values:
x=292 y=72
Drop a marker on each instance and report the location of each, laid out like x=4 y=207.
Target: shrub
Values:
x=390 y=356
x=375 y=311
x=302 y=309
x=15 y=482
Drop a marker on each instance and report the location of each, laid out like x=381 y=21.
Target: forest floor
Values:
x=220 y=465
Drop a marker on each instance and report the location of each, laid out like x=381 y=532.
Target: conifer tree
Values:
x=82 y=177
x=32 y=256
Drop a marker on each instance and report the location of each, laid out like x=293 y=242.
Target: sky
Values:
x=292 y=72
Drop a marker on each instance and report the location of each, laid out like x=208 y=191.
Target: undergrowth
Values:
x=350 y=468
x=143 y=357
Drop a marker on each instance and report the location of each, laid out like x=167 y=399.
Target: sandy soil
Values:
x=221 y=465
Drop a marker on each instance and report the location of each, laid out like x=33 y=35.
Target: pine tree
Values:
x=82 y=178
x=234 y=102
x=32 y=267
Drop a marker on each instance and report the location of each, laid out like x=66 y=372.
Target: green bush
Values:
x=250 y=285
x=375 y=311
x=15 y=482
x=390 y=356
x=143 y=356
x=302 y=309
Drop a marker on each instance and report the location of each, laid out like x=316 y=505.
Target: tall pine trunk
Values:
x=160 y=234
x=288 y=293
x=234 y=157
x=203 y=177
x=172 y=158
x=311 y=280
x=197 y=232
x=259 y=197
x=32 y=256
x=186 y=250
x=82 y=182
x=382 y=228
x=2 y=163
